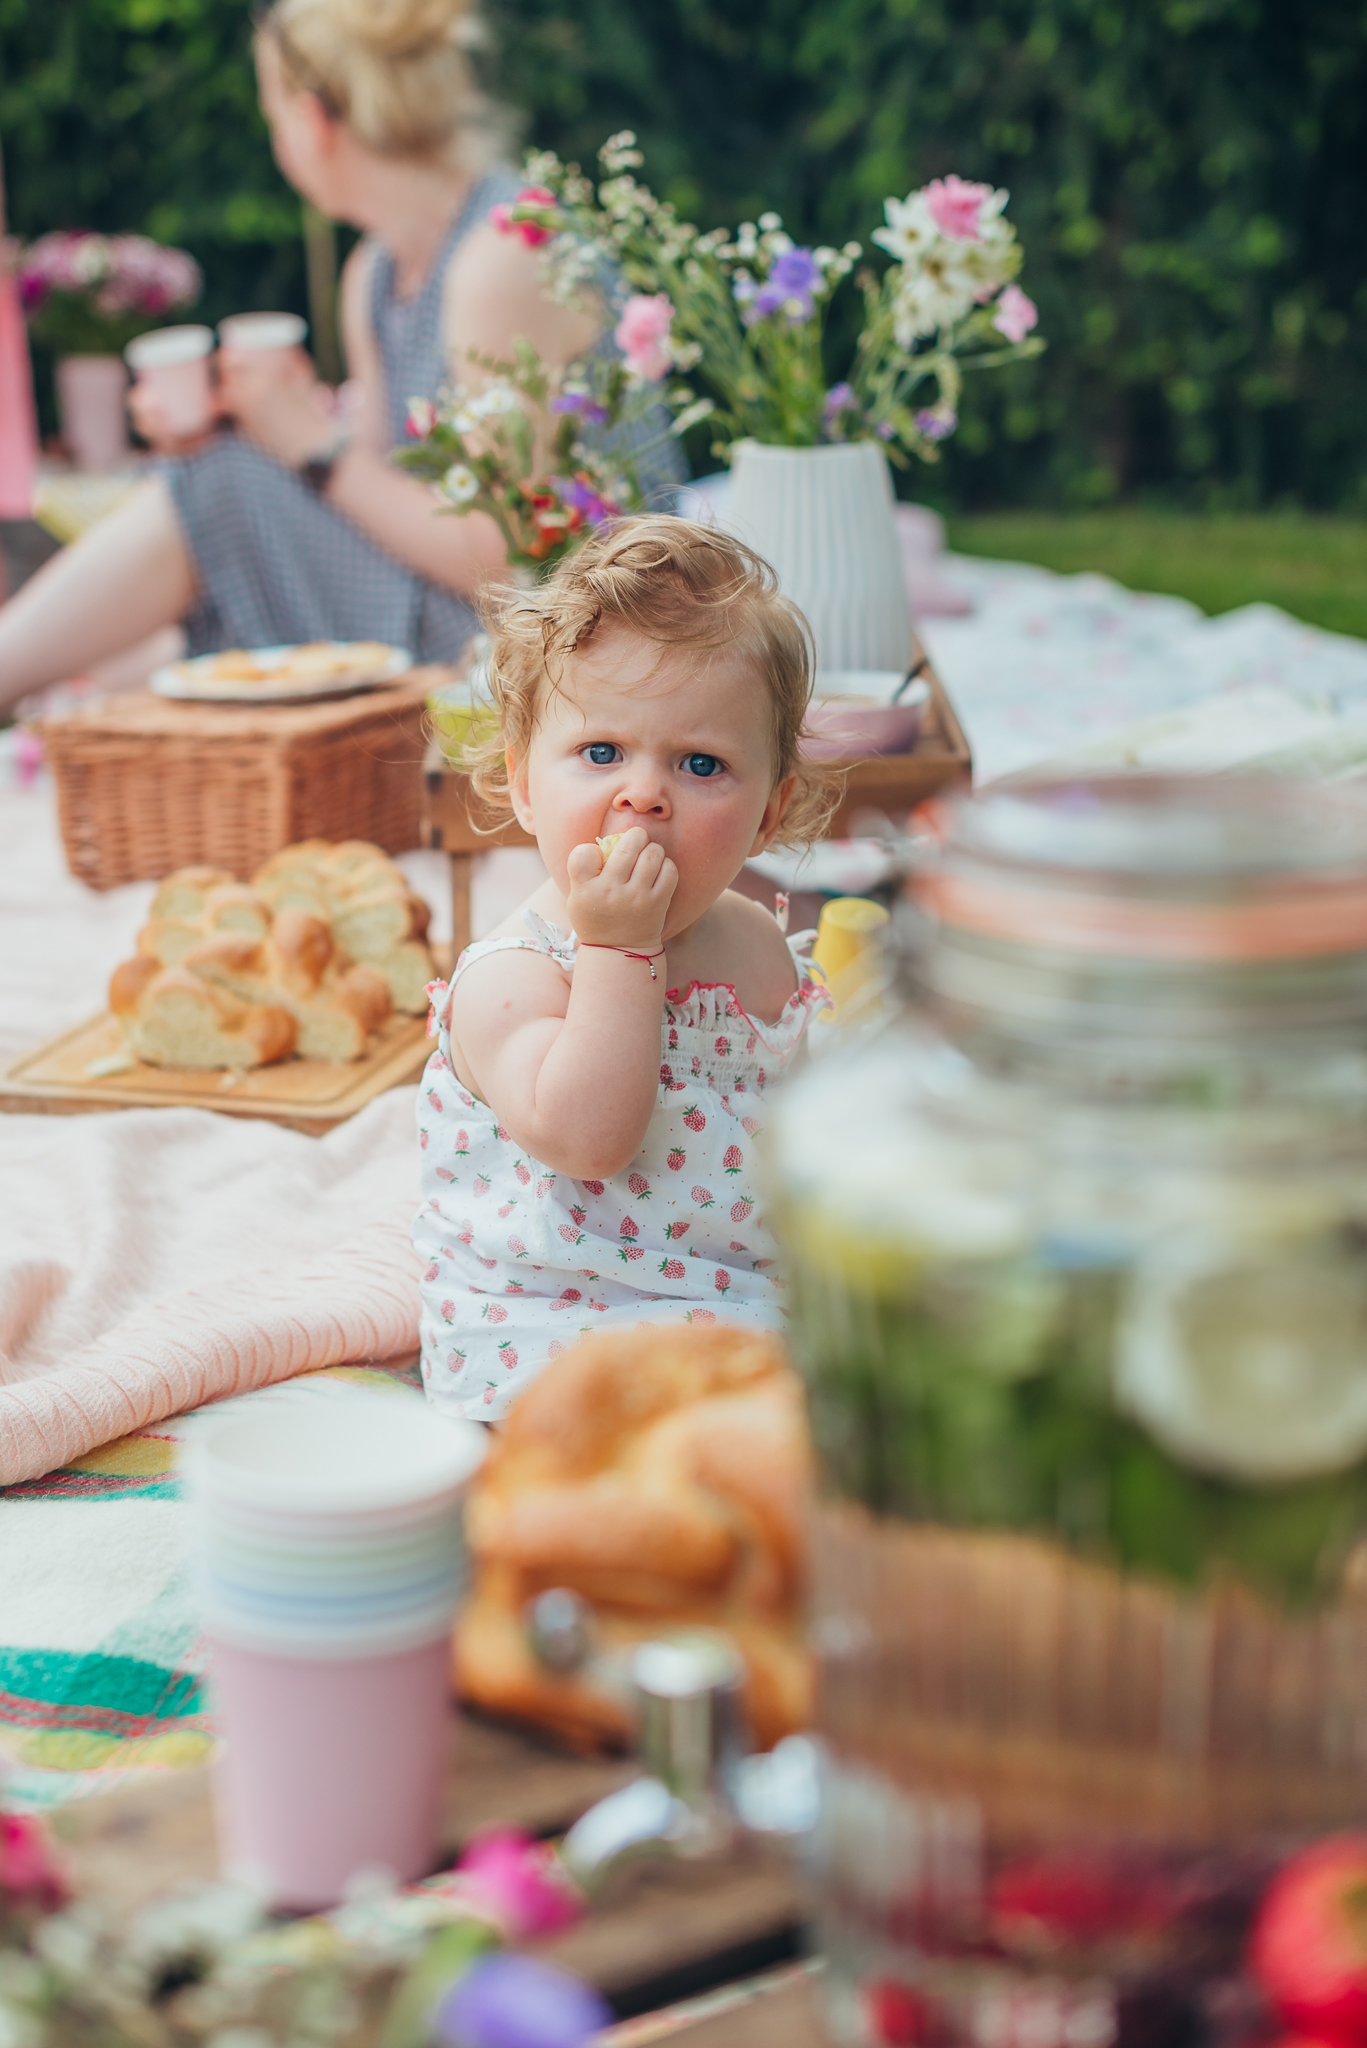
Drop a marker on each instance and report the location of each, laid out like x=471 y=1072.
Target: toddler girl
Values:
x=588 y=1120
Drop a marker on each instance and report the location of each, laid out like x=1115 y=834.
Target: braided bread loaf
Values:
x=661 y=1473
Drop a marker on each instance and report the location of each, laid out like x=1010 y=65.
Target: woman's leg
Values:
x=112 y=588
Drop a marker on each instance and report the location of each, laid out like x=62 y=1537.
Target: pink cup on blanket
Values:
x=330 y=1565
x=171 y=365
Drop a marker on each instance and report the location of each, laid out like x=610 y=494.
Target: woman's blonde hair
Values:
x=394 y=71
x=678 y=584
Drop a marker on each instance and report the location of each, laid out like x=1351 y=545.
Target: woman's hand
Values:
x=623 y=900
x=282 y=407
x=146 y=416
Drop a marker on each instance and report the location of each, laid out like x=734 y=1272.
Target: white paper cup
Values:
x=171 y=365
x=261 y=335
x=330 y=1565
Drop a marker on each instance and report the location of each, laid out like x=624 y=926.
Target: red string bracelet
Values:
x=601 y=946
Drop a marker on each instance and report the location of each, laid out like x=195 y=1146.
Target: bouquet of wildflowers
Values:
x=88 y=294
x=489 y=450
x=746 y=312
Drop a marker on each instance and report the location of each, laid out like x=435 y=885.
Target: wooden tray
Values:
x=662 y=1930
x=303 y=1095
x=895 y=784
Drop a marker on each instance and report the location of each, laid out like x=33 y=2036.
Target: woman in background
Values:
x=295 y=527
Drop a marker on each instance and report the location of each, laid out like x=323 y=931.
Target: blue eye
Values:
x=602 y=753
x=703 y=764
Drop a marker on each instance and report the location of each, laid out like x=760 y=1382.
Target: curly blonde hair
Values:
x=678 y=584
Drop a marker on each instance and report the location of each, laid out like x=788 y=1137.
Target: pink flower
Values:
x=955 y=204
x=642 y=334
x=532 y=233
x=28 y=1874
x=422 y=417
x=1015 y=314
x=523 y=1883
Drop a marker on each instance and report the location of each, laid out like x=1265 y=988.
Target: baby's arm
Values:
x=573 y=1073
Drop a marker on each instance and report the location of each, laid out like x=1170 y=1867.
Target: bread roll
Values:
x=183 y=893
x=331 y=936
x=662 y=1474
x=179 y=1020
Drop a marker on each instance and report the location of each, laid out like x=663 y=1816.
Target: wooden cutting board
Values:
x=304 y=1095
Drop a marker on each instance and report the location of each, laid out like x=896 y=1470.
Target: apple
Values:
x=1309 y=1943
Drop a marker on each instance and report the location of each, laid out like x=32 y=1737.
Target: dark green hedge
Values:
x=1189 y=178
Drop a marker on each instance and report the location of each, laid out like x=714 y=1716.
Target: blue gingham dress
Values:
x=276 y=564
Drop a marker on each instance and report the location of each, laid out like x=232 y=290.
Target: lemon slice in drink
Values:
x=1253 y=1372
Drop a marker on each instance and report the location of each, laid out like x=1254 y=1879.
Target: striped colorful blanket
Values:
x=100 y=1657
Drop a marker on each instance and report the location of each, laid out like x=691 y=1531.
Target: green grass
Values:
x=1314 y=568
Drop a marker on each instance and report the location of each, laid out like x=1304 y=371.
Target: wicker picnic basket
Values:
x=146 y=784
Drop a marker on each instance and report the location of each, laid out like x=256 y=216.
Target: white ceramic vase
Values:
x=92 y=396
x=824 y=518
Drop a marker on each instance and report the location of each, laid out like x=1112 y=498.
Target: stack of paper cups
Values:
x=330 y=1565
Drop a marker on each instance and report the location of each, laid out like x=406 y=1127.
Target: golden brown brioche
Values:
x=333 y=1015
x=128 y=981
x=179 y=1020
x=183 y=893
x=375 y=917
x=660 y=1473
x=279 y=945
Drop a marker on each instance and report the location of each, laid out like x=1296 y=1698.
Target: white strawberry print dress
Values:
x=520 y=1261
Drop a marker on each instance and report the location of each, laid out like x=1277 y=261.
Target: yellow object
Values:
x=460 y=723
x=607 y=842
x=848 y=950
x=69 y=503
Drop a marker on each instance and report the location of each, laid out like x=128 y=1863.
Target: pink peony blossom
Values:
x=1015 y=314
x=642 y=334
x=532 y=233
x=955 y=204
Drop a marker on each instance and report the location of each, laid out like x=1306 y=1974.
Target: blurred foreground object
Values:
x=849 y=949
x=18 y=418
x=329 y=1567
x=660 y=1476
x=1080 y=1288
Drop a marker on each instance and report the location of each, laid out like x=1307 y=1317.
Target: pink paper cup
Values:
x=329 y=1563
x=330 y=1768
x=172 y=366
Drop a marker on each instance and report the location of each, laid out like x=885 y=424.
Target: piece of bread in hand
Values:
x=661 y=1473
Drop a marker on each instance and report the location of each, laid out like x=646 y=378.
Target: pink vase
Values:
x=92 y=396
x=18 y=422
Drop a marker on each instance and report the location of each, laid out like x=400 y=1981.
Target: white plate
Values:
x=194 y=682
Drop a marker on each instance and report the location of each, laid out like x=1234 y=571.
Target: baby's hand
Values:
x=621 y=900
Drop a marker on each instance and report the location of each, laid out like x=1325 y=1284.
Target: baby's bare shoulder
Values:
x=764 y=976
x=505 y=988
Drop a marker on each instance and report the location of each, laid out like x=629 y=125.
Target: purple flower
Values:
x=838 y=398
x=508 y=2001
x=938 y=422
x=580 y=402
x=788 y=288
x=581 y=497
x=795 y=274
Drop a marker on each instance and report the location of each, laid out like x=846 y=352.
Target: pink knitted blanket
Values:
x=155 y=1259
